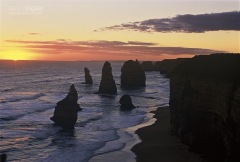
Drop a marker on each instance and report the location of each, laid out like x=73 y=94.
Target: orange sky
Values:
x=73 y=30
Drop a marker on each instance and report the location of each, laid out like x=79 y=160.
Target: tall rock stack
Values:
x=107 y=85
x=88 y=77
x=205 y=105
x=132 y=74
x=65 y=114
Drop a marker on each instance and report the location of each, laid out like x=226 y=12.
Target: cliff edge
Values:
x=167 y=66
x=205 y=105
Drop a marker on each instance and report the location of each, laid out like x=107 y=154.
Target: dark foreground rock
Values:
x=168 y=65
x=132 y=74
x=147 y=66
x=65 y=114
x=205 y=105
x=3 y=158
x=107 y=85
x=158 y=145
x=88 y=77
x=126 y=103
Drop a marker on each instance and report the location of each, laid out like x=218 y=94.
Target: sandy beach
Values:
x=158 y=145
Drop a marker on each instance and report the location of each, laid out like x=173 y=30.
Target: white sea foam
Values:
x=21 y=96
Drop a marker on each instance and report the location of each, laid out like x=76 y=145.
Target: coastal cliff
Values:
x=168 y=65
x=148 y=66
x=205 y=105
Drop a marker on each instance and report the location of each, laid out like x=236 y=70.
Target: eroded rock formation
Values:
x=88 y=77
x=107 y=85
x=147 y=66
x=126 y=102
x=168 y=65
x=132 y=74
x=3 y=158
x=65 y=114
x=205 y=105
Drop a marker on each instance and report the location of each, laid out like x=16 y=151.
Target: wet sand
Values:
x=158 y=145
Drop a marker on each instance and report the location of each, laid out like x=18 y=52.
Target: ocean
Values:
x=29 y=91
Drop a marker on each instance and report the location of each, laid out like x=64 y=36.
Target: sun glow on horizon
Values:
x=17 y=54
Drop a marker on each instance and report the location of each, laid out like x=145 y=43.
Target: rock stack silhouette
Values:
x=126 y=102
x=88 y=77
x=107 y=85
x=132 y=74
x=65 y=114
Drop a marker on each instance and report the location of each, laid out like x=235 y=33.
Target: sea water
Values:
x=29 y=91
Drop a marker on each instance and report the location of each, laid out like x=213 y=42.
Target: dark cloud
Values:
x=186 y=23
x=108 y=47
x=101 y=43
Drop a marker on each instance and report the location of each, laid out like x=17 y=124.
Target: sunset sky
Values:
x=75 y=30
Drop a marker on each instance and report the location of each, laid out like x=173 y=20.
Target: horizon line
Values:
x=76 y=60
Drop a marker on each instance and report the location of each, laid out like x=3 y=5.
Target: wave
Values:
x=110 y=146
x=83 y=123
x=7 y=90
x=52 y=79
x=9 y=118
x=147 y=97
x=44 y=81
x=17 y=116
x=18 y=75
x=163 y=104
x=20 y=98
x=2 y=100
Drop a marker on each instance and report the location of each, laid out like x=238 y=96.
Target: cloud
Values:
x=185 y=23
x=133 y=48
x=101 y=43
x=34 y=33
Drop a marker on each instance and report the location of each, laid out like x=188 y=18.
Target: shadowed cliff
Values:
x=168 y=65
x=215 y=66
x=205 y=105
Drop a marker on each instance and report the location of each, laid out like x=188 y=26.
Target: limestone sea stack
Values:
x=65 y=114
x=132 y=74
x=205 y=105
x=147 y=66
x=107 y=85
x=88 y=77
x=126 y=102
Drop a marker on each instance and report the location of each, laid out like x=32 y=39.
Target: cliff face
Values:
x=205 y=105
x=147 y=66
x=168 y=65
